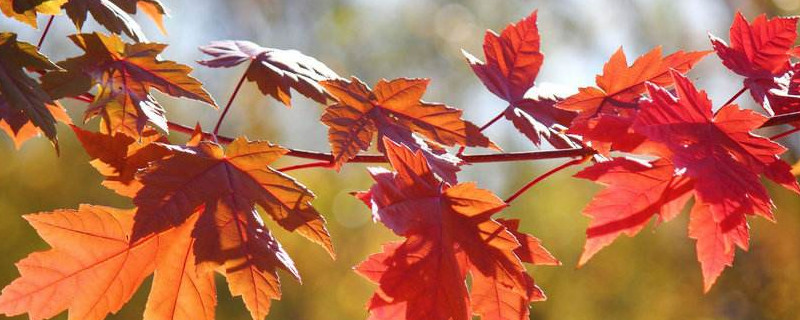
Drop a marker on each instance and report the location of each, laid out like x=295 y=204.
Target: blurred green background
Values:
x=653 y=276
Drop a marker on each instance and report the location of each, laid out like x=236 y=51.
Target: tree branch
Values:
x=477 y=158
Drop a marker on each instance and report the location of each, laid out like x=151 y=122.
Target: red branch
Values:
x=735 y=96
x=483 y=127
x=785 y=133
x=44 y=33
x=477 y=158
x=228 y=105
x=544 y=176
x=318 y=164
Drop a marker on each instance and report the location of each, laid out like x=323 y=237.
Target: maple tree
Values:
x=654 y=140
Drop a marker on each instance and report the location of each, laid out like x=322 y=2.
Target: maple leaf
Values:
x=275 y=71
x=230 y=232
x=513 y=59
x=760 y=51
x=152 y=8
x=449 y=232
x=394 y=109
x=784 y=95
x=125 y=73
x=710 y=146
x=713 y=157
x=536 y=117
x=93 y=269
x=607 y=111
x=119 y=157
x=107 y=14
x=25 y=108
x=26 y=10
x=636 y=191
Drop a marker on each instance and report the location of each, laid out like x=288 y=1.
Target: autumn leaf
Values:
x=513 y=59
x=536 y=117
x=449 y=232
x=760 y=51
x=124 y=73
x=784 y=97
x=394 y=109
x=275 y=71
x=93 y=269
x=710 y=146
x=155 y=9
x=607 y=111
x=26 y=10
x=635 y=192
x=107 y=14
x=713 y=157
x=25 y=108
x=230 y=233
x=180 y=289
x=119 y=157
x=222 y=231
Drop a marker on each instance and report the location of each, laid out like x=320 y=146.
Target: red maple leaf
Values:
x=714 y=157
x=760 y=52
x=394 y=109
x=118 y=157
x=230 y=235
x=607 y=111
x=124 y=74
x=449 y=232
x=275 y=71
x=513 y=59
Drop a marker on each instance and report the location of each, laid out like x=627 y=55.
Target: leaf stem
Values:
x=229 y=104
x=318 y=164
x=784 y=134
x=782 y=119
x=491 y=122
x=735 y=96
x=483 y=127
x=544 y=176
x=44 y=33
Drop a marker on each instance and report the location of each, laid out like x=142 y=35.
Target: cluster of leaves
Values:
x=655 y=140
x=114 y=15
x=713 y=156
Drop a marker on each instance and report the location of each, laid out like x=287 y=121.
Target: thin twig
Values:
x=542 y=177
x=228 y=105
x=784 y=134
x=483 y=127
x=44 y=33
x=318 y=164
x=735 y=96
x=782 y=119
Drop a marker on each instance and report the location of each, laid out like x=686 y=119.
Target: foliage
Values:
x=653 y=137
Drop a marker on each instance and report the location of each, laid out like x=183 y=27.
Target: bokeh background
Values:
x=653 y=276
